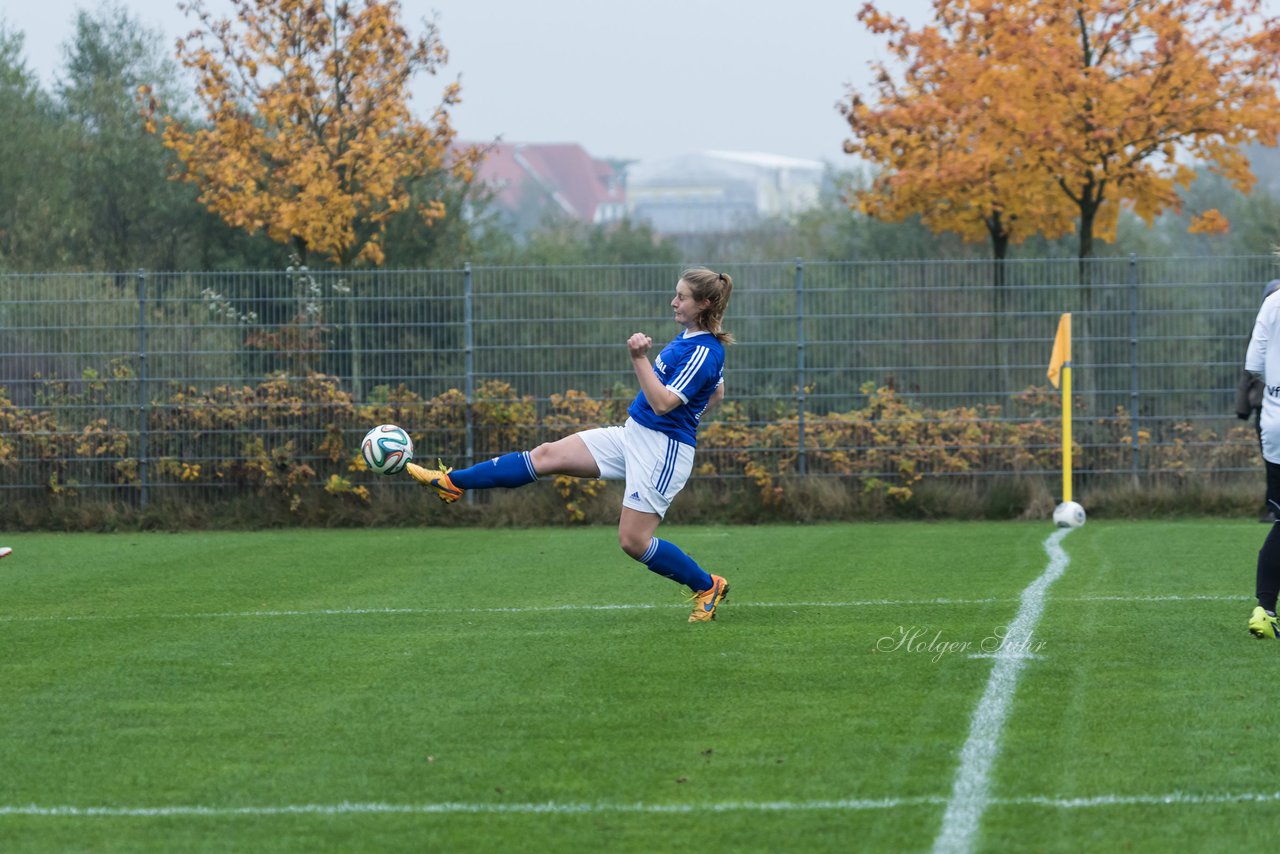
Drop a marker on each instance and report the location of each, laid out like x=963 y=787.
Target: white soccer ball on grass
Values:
x=1068 y=514
x=387 y=449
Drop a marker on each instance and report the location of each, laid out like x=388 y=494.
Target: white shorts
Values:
x=654 y=465
x=1269 y=422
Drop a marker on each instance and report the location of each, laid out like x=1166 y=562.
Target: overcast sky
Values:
x=637 y=80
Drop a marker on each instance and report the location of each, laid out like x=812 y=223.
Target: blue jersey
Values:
x=691 y=366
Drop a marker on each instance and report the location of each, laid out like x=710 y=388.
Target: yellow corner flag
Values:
x=1061 y=349
x=1060 y=367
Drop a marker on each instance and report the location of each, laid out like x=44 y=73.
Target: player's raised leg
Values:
x=565 y=456
x=569 y=456
x=436 y=479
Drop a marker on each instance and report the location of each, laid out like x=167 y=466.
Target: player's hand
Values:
x=639 y=345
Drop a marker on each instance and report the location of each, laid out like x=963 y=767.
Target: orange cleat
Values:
x=437 y=479
x=704 y=603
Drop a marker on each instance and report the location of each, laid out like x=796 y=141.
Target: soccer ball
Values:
x=1068 y=514
x=386 y=449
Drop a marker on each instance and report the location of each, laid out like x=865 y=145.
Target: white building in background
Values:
x=717 y=191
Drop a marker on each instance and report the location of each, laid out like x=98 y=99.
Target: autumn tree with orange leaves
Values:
x=938 y=152
x=308 y=132
x=1036 y=116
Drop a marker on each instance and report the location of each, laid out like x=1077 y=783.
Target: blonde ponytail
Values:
x=714 y=287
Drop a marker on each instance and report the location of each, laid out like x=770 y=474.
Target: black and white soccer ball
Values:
x=1068 y=514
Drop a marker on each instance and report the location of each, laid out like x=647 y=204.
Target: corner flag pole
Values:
x=1060 y=364
x=1066 y=420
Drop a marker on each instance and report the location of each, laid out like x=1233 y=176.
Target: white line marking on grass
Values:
x=554 y=808
x=545 y=609
x=324 y=612
x=970 y=794
x=550 y=807
x=1180 y=799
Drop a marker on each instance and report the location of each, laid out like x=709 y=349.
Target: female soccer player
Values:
x=652 y=452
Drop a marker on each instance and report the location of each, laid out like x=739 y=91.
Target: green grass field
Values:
x=468 y=690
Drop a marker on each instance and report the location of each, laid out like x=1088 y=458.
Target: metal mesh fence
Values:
x=215 y=383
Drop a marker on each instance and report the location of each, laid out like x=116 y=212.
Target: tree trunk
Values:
x=1088 y=213
x=1082 y=346
x=999 y=307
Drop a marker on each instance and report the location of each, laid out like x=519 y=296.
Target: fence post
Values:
x=801 y=461
x=144 y=403
x=468 y=365
x=1133 y=365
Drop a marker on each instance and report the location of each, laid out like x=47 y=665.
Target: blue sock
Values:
x=508 y=470
x=667 y=559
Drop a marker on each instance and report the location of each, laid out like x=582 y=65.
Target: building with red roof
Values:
x=527 y=179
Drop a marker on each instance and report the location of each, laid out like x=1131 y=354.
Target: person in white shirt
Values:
x=1262 y=360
